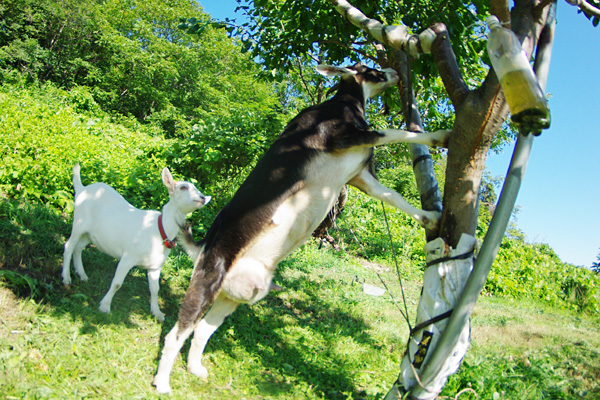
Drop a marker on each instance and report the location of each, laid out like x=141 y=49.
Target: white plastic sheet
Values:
x=443 y=283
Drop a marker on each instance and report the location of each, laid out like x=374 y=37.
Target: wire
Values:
x=405 y=312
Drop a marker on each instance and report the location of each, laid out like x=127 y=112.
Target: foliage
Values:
x=42 y=135
x=133 y=58
x=534 y=271
x=596 y=265
x=279 y=34
x=220 y=147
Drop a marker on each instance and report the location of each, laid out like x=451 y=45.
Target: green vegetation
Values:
x=136 y=95
x=321 y=337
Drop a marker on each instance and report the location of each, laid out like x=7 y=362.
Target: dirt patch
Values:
x=11 y=314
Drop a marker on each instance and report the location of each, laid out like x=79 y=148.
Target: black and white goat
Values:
x=137 y=237
x=280 y=204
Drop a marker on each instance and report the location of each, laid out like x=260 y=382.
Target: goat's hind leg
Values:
x=173 y=343
x=221 y=309
x=366 y=182
x=73 y=248
x=77 y=261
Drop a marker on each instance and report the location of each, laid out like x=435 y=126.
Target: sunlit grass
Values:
x=321 y=337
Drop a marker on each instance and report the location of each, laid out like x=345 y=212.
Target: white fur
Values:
x=103 y=217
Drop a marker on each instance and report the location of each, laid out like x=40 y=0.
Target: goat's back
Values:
x=111 y=223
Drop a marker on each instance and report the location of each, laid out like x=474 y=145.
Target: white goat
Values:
x=136 y=237
x=283 y=200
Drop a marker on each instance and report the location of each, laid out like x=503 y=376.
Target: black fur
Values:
x=332 y=126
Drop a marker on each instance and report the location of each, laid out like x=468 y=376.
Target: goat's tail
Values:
x=187 y=241
x=207 y=278
x=77 y=185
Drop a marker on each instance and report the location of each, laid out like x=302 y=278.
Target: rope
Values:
x=431 y=321
x=403 y=313
x=444 y=259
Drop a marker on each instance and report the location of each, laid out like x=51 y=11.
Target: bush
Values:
x=534 y=271
x=43 y=133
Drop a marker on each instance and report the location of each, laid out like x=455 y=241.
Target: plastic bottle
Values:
x=525 y=98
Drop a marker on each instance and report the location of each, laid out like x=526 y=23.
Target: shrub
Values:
x=42 y=135
x=524 y=270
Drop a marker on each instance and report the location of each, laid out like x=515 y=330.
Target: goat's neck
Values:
x=352 y=91
x=172 y=219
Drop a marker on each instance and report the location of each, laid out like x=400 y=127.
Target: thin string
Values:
x=396 y=262
x=404 y=314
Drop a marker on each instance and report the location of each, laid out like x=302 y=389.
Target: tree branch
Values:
x=544 y=47
x=433 y=40
x=500 y=9
x=395 y=36
x=585 y=7
x=427 y=184
x=447 y=66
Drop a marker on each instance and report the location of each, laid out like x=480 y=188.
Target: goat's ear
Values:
x=330 y=70
x=168 y=180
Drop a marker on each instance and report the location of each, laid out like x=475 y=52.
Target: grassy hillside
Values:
x=321 y=337
x=535 y=331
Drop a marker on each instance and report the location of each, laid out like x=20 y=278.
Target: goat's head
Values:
x=185 y=195
x=372 y=81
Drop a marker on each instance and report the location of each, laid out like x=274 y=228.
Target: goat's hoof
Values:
x=431 y=220
x=441 y=138
x=161 y=387
x=104 y=308
x=159 y=316
x=198 y=370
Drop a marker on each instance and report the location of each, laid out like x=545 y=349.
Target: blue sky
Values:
x=560 y=195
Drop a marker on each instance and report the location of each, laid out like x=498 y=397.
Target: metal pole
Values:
x=483 y=264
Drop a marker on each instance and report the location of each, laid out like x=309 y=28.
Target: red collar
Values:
x=169 y=244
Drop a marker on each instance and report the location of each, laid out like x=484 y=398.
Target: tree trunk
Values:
x=322 y=231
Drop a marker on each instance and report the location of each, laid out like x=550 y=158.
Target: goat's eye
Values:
x=183 y=187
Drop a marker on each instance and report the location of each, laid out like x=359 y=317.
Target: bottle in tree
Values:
x=525 y=98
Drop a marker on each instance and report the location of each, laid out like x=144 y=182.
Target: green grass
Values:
x=321 y=337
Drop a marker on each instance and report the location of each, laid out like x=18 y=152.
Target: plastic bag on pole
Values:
x=443 y=282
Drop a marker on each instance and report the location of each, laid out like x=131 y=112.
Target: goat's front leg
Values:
x=123 y=268
x=153 y=283
x=437 y=138
x=221 y=309
x=370 y=185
